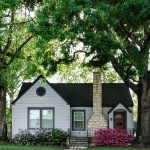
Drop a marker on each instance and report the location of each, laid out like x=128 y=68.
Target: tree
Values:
x=14 y=37
x=115 y=31
x=77 y=73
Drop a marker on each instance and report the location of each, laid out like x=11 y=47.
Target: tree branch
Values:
x=4 y=16
x=79 y=51
x=118 y=68
x=9 y=40
x=16 y=23
x=19 y=49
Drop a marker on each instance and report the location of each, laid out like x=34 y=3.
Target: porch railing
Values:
x=131 y=131
x=69 y=135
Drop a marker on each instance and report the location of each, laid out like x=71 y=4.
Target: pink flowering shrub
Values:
x=111 y=137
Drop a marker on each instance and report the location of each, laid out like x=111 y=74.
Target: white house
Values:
x=80 y=108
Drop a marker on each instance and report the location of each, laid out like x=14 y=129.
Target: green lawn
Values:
x=18 y=147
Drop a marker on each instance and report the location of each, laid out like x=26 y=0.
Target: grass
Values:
x=22 y=147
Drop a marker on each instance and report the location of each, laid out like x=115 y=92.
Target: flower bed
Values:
x=111 y=137
x=41 y=137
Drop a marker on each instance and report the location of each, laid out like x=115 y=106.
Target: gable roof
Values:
x=25 y=87
x=81 y=94
x=130 y=111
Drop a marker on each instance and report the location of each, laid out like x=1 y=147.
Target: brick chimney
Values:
x=97 y=119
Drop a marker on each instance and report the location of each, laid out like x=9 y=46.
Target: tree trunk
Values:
x=143 y=130
x=3 y=132
x=139 y=95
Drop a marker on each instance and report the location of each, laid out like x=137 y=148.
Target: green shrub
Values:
x=41 y=137
x=59 y=136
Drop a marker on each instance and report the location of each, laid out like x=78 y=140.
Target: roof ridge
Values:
x=75 y=83
x=70 y=83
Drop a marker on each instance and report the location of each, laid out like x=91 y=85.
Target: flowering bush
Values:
x=23 y=138
x=111 y=137
x=41 y=137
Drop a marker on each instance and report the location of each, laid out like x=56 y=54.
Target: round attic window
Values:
x=40 y=91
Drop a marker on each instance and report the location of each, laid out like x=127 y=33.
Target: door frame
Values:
x=124 y=112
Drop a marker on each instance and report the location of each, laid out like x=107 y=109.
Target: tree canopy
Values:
x=16 y=55
x=111 y=31
x=77 y=73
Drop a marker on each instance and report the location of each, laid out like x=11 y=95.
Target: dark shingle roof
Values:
x=23 y=89
x=114 y=93
x=81 y=94
x=78 y=94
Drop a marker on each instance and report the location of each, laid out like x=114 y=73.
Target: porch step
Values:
x=78 y=142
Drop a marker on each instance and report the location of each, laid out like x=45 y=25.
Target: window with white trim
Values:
x=41 y=118
x=47 y=118
x=78 y=120
x=34 y=118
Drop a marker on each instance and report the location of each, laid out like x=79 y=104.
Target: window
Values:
x=40 y=118
x=47 y=118
x=34 y=119
x=78 y=120
x=40 y=91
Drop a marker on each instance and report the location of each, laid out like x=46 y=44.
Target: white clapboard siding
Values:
x=106 y=110
x=31 y=99
x=88 y=112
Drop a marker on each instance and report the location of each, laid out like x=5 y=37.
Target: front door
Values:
x=119 y=120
